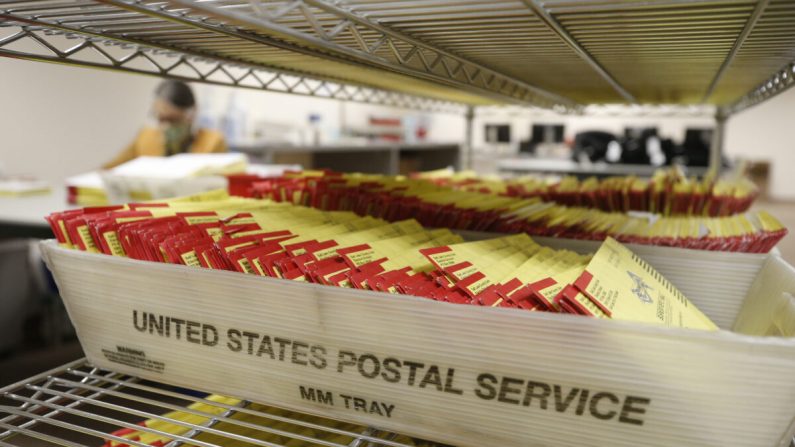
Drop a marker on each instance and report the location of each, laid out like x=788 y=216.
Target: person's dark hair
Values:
x=177 y=93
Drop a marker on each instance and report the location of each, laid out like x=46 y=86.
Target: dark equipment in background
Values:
x=498 y=133
x=634 y=145
x=694 y=150
x=592 y=144
x=639 y=146
x=636 y=133
x=542 y=134
x=696 y=146
x=547 y=133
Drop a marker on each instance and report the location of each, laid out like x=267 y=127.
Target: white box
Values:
x=646 y=385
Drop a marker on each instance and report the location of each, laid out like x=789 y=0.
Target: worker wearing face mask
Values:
x=175 y=110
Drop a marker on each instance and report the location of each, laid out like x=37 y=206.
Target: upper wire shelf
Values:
x=432 y=54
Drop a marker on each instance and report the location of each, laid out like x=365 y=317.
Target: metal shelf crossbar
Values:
x=538 y=8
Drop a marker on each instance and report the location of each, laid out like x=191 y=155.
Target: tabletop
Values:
x=565 y=166
x=24 y=216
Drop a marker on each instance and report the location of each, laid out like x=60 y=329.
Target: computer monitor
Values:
x=636 y=133
x=547 y=133
x=701 y=137
x=695 y=148
x=498 y=133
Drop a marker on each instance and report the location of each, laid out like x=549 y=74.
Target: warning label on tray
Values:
x=133 y=357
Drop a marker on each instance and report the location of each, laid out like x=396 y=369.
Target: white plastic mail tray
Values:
x=463 y=375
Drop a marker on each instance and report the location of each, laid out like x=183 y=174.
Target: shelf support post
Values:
x=718 y=138
x=468 y=144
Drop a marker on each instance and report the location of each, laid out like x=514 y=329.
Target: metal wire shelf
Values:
x=79 y=405
x=550 y=53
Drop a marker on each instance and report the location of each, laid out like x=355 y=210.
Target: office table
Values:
x=24 y=216
x=526 y=165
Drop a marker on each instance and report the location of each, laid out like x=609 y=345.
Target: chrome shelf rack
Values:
x=435 y=55
x=79 y=405
x=432 y=54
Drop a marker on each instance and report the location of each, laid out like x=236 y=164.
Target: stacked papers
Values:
x=341 y=249
x=148 y=178
x=86 y=190
x=182 y=166
x=668 y=192
x=433 y=205
x=22 y=187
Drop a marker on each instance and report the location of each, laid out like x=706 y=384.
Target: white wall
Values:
x=767 y=132
x=285 y=110
x=57 y=121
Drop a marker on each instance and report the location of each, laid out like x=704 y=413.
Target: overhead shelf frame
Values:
x=62 y=44
x=559 y=54
x=322 y=29
x=433 y=55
